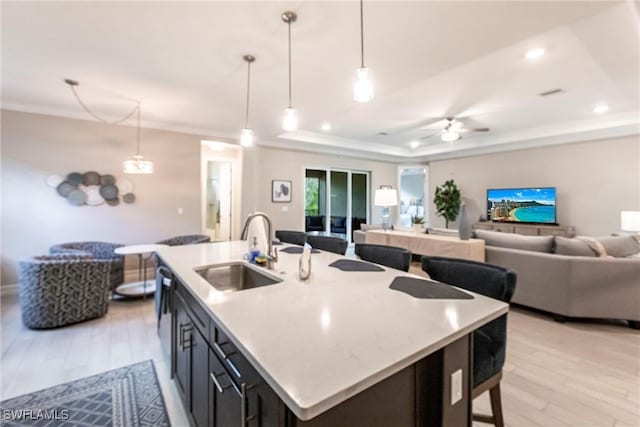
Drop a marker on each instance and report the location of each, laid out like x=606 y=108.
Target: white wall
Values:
x=35 y=217
x=595 y=180
x=263 y=164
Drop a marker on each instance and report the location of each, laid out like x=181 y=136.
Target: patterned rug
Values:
x=124 y=397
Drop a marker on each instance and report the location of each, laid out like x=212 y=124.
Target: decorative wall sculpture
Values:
x=91 y=188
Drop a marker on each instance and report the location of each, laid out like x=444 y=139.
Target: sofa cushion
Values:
x=516 y=241
x=619 y=246
x=340 y=222
x=573 y=247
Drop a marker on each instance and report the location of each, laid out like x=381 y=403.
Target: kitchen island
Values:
x=340 y=348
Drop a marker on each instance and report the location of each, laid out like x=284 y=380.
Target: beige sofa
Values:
x=581 y=277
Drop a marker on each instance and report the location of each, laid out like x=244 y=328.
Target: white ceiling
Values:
x=430 y=60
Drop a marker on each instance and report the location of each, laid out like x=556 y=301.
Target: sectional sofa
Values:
x=571 y=277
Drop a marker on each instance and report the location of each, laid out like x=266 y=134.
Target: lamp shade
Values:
x=137 y=165
x=630 y=220
x=386 y=197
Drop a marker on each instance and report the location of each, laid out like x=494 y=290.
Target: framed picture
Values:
x=280 y=191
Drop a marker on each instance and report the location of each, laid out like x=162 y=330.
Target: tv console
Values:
x=527 y=229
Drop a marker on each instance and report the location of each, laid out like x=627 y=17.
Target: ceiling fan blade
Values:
x=465 y=130
x=431 y=135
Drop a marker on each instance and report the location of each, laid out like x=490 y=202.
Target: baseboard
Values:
x=7 y=290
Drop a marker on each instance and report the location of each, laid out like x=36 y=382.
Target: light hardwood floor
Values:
x=573 y=374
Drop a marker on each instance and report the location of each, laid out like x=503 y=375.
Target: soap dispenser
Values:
x=254 y=252
x=305 y=262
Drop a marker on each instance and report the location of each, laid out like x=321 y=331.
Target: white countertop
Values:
x=324 y=340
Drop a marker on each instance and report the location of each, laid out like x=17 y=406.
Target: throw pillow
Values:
x=619 y=246
x=516 y=241
x=573 y=247
x=595 y=245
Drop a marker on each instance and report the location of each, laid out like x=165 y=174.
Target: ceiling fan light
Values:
x=246 y=137
x=290 y=120
x=450 y=136
x=363 y=86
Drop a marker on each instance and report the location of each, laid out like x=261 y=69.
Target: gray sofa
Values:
x=580 y=277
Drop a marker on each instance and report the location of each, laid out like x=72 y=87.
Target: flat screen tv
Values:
x=525 y=205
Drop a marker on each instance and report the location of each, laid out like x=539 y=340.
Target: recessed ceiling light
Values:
x=414 y=144
x=326 y=127
x=601 y=108
x=534 y=54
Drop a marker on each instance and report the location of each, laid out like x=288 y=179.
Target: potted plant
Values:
x=447 y=201
x=417 y=222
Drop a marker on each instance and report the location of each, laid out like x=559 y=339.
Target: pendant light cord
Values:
x=72 y=84
x=246 y=115
x=138 y=129
x=361 y=34
x=289 y=26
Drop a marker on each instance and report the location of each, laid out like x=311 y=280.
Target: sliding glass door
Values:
x=336 y=201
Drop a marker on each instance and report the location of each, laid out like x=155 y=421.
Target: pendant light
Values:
x=290 y=119
x=246 y=134
x=137 y=164
x=363 y=86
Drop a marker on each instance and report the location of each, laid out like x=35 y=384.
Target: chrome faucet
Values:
x=272 y=253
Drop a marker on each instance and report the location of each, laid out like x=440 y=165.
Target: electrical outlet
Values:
x=456 y=387
x=284 y=209
x=180 y=211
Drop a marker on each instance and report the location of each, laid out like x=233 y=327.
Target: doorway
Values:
x=336 y=201
x=414 y=200
x=218 y=200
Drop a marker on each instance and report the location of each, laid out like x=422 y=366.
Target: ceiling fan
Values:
x=452 y=130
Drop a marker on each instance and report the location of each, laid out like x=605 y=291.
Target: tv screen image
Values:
x=532 y=205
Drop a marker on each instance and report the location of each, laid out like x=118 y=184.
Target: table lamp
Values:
x=630 y=221
x=386 y=197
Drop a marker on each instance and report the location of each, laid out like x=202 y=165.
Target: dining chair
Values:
x=329 y=244
x=390 y=256
x=490 y=340
x=294 y=237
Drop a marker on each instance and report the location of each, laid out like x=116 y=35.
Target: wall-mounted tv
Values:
x=527 y=205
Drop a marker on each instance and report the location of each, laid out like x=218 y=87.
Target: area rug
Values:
x=124 y=397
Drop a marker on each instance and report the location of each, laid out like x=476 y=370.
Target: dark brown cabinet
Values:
x=217 y=384
x=220 y=388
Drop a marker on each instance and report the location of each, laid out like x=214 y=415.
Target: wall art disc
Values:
x=91 y=178
x=65 y=187
x=107 y=180
x=54 y=180
x=129 y=198
x=93 y=195
x=77 y=197
x=75 y=178
x=109 y=192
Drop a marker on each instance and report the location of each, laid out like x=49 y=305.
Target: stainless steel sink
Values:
x=236 y=276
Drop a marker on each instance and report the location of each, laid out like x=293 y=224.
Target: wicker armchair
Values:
x=97 y=250
x=189 y=239
x=58 y=290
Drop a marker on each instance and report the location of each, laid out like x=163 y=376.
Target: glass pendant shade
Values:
x=137 y=165
x=363 y=86
x=450 y=136
x=290 y=120
x=246 y=137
